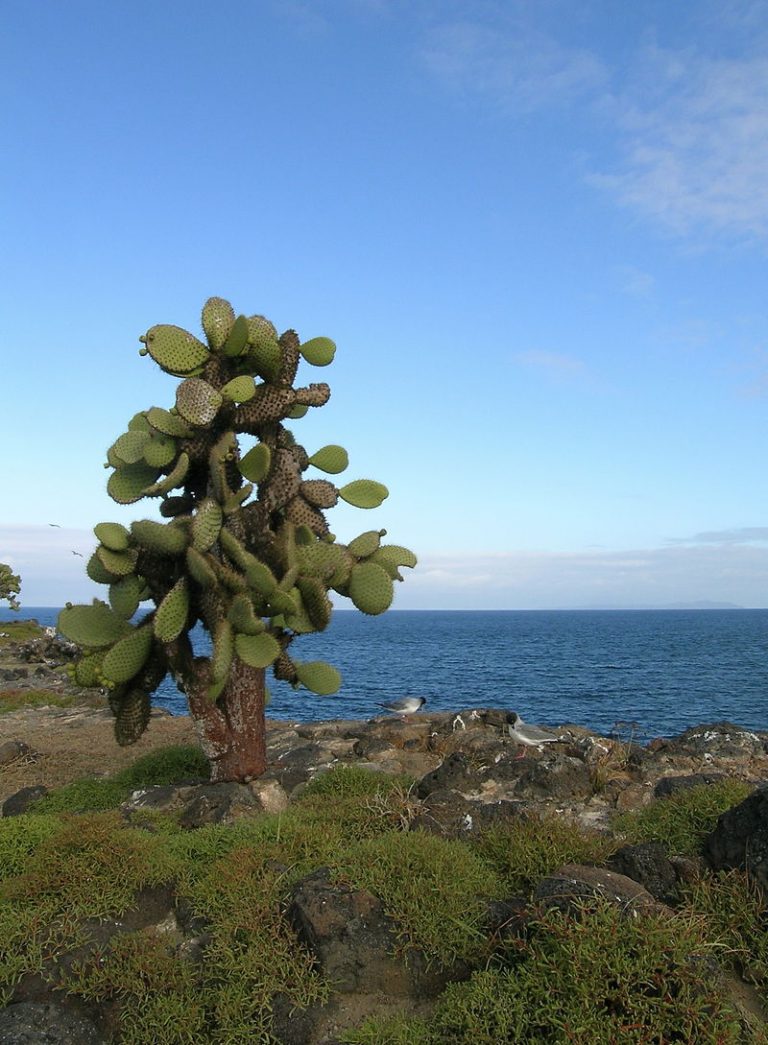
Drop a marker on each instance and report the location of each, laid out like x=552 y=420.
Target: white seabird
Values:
x=405 y=706
x=528 y=736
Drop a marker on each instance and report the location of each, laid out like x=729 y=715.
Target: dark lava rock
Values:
x=740 y=839
x=46 y=1023
x=670 y=785
x=449 y=814
x=354 y=941
x=575 y=884
x=649 y=865
x=456 y=773
x=20 y=801
x=197 y=804
x=719 y=739
x=557 y=776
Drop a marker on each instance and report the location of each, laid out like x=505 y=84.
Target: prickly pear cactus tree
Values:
x=10 y=586
x=245 y=549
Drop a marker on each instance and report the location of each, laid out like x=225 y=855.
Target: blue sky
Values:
x=536 y=231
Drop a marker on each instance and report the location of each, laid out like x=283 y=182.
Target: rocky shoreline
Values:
x=467 y=776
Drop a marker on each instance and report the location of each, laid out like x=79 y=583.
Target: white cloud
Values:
x=518 y=67
x=693 y=138
x=740 y=535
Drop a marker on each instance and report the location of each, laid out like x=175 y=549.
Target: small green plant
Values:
x=15 y=699
x=522 y=852
x=682 y=821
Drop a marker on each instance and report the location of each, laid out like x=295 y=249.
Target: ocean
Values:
x=646 y=673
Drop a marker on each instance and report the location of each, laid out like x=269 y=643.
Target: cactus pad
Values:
x=128 y=656
x=259 y=651
x=364 y=493
x=129 y=448
x=239 y=389
x=237 y=339
x=256 y=463
x=217 y=319
x=319 y=351
x=174 y=478
x=112 y=535
x=370 y=588
x=132 y=717
x=129 y=484
x=171 y=616
x=319 y=493
x=160 y=450
x=93 y=627
x=201 y=569
x=197 y=401
x=206 y=524
x=366 y=544
x=118 y=563
x=125 y=596
x=167 y=423
x=392 y=556
x=97 y=571
x=223 y=651
x=242 y=616
x=175 y=350
x=319 y=677
x=87 y=670
x=163 y=538
x=331 y=459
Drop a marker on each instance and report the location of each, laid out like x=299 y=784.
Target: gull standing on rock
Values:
x=403 y=708
x=528 y=736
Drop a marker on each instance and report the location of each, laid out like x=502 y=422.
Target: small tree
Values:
x=246 y=550
x=10 y=586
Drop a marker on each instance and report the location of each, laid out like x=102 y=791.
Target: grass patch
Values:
x=522 y=852
x=19 y=631
x=16 y=699
x=682 y=821
x=166 y=765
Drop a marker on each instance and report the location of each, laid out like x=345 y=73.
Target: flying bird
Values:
x=55 y=524
x=78 y=553
x=528 y=736
x=404 y=707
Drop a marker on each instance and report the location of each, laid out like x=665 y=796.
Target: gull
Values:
x=404 y=707
x=528 y=736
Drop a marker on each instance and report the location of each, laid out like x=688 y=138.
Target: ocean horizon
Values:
x=640 y=672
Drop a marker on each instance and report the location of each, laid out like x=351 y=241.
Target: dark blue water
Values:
x=663 y=670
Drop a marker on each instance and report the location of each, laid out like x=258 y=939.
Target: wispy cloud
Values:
x=519 y=67
x=693 y=143
x=740 y=535
x=557 y=364
x=636 y=282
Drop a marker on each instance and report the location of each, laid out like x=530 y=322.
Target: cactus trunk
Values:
x=232 y=731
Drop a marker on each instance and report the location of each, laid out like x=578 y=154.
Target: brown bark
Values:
x=231 y=730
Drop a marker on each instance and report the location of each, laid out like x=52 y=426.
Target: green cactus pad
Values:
x=164 y=538
x=174 y=478
x=206 y=524
x=223 y=651
x=321 y=560
x=237 y=339
x=129 y=448
x=128 y=656
x=112 y=535
x=175 y=350
x=281 y=602
x=171 y=616
x=370 y=588
x=392 y=556
x=132 y=717
x=256 y=463
x=239 y=389
x=319 y=493
x=265 y=353
x=316 y=602
x=139 y=422
x=297 y=411
x=93 y=627
x=87 y=670
x=121 y=564
x=125 y=596
x=242 y=616
x=200 y=567
x=98 y=572
x=366 y=544
x=260 y=578
x=319 y=351
x=331 y=459
x=197 y=401
x=259 y=651
x=169 y=424
x=319 y=677
x=160 y=450
x=364 y=493
x=131 y=483
x=218 y=319
x=237 y=498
